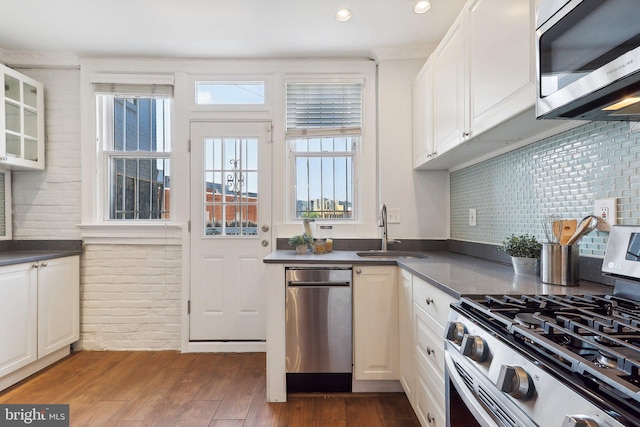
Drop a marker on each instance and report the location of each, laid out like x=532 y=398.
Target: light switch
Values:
x=393 y=216
x=472 y=217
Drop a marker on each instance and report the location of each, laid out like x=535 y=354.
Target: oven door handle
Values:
x=467 y=396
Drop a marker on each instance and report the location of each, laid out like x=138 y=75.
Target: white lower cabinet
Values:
x=18 y=317
x=427 y=403
x=423 y=312
x=375 y=323
x=58 y=303
x=405 y=332
x=39 y=315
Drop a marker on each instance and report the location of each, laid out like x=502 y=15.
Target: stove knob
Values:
x=474 y=347
x=515 y=381
x=455 y=332
x=579 y=421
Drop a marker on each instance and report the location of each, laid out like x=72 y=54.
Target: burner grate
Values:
x=597 y=337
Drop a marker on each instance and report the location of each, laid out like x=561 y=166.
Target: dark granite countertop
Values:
x=19 y=251
x=18 y=257
x=453 y=273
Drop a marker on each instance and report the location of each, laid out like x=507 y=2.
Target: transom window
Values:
x=324 y=130
x=136 y=149
x=229 y=93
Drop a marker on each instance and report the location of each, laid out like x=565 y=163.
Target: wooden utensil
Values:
x=568 y=229
x=557 y=230
x=587 y=225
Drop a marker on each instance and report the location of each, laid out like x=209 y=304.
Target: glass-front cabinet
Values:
x=21 y=121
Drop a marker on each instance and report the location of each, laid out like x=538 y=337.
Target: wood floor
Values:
x=168 y=388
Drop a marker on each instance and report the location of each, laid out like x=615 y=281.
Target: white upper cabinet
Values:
x=450 y=101
x=423 y=147
x=21 y=121
x=484 y=86
x=501 y=72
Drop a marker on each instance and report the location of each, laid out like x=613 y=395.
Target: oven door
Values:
x=481 y=398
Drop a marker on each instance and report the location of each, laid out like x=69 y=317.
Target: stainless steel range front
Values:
x=546 y=360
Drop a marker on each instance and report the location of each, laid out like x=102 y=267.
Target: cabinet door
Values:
x=18 y=317
x=405 y=332
x=21 y=121
x=58 y=303
x=449 y=77
x=423 y=148
x=375 y=323
x=428 y=406
x=501 y=77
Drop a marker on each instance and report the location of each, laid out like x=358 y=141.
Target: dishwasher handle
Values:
x=301 y=283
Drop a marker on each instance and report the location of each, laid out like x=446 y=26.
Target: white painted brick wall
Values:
x=130 y=295
x=46 y=204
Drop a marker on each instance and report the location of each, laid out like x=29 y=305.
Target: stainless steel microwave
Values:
x=588 y=59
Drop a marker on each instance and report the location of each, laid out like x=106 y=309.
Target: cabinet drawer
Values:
x=429 y=400
x=432 y=300
x=429 y=342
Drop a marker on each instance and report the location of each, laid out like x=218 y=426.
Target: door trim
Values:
x=221 y=345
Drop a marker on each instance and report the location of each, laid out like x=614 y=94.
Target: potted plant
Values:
x=301 y=242
x=524 y=251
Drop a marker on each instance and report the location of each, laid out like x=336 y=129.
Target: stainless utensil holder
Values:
x=559 y=264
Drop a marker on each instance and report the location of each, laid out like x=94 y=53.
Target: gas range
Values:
x=547 y=360
x=552 y=360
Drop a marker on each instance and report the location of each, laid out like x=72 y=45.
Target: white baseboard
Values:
x=225 y=347
x=376 y=386
x=22 y=373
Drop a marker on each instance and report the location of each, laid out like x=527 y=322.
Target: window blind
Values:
x=326 y=106
x=134 y=90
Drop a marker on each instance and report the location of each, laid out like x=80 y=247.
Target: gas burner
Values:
x=606 y=360
x=529 y=320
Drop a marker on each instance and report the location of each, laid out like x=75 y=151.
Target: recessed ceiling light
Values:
x=422 y=6
x=343 y=15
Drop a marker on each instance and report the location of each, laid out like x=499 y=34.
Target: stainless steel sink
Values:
x=392 y=254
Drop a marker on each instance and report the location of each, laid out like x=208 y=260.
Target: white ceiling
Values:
x=221 y=28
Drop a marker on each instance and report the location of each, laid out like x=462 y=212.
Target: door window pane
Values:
x=231 y=187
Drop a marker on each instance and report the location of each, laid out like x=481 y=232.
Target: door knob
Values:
x=265 y=228
x=265 y=243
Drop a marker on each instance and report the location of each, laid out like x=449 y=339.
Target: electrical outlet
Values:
x=393 y=216
x=472 y=217
x=607 y=212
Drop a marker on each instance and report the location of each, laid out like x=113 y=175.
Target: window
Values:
x=324 y=132
x=135 y=140
x=229 y=93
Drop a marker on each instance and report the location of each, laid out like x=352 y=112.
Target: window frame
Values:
x=94 y=229
x=104 y=139
x=357 y=154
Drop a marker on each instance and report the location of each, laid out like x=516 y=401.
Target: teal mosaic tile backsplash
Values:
x=561 y=175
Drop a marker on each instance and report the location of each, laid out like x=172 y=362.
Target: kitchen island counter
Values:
x=455 y=274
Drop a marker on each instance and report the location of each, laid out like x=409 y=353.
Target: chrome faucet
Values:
x=382 y=222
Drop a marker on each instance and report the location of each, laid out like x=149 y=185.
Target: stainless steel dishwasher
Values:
x=318 y=329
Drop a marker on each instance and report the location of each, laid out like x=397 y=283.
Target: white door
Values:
x=230 y=230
